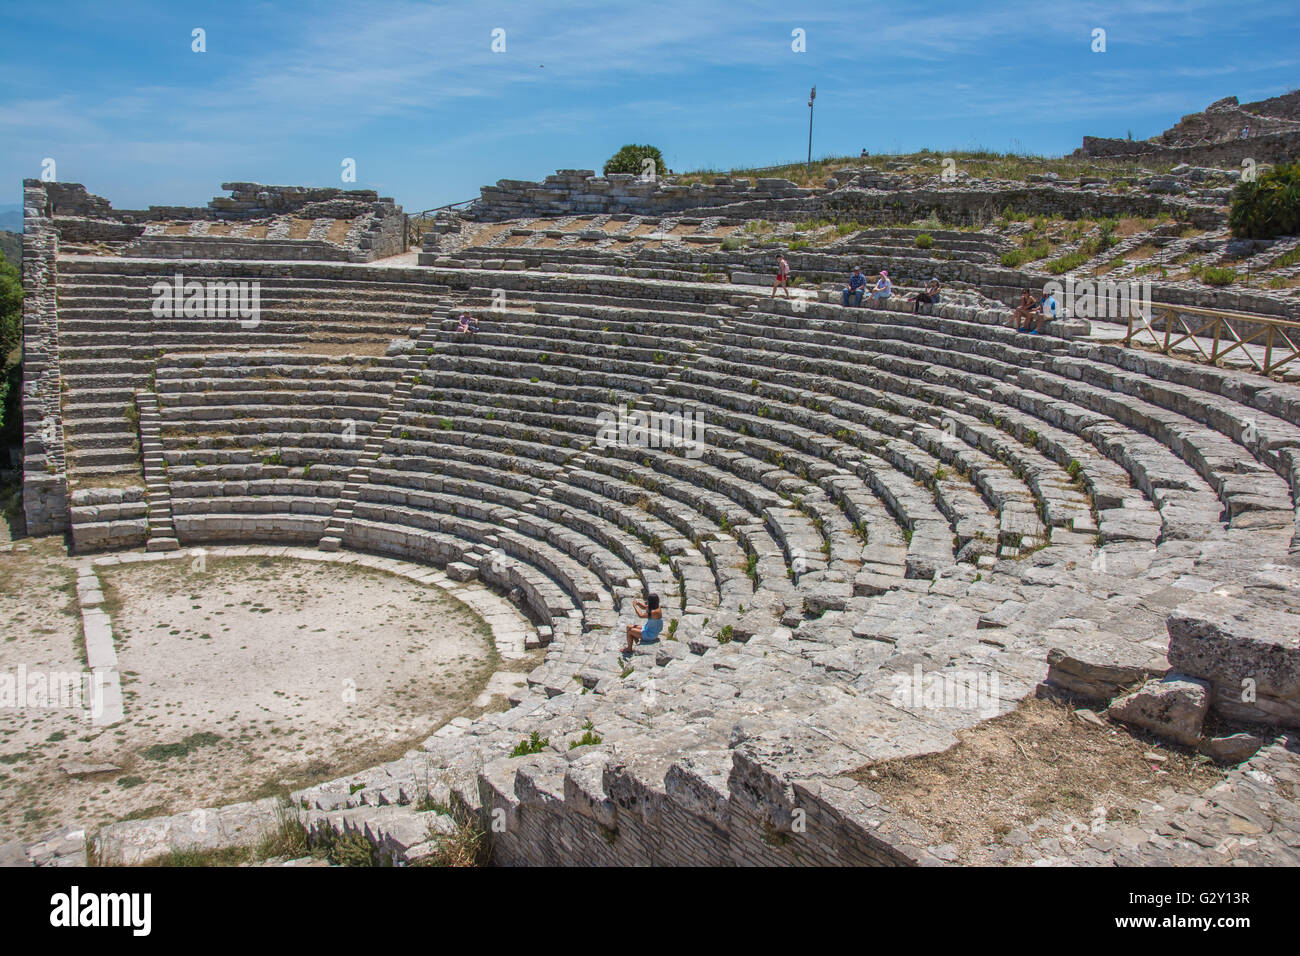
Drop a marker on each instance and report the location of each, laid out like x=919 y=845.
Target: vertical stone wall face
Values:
x=546 y=810
x=380 y=235
x=45 y=483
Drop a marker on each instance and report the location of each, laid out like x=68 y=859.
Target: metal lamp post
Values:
x=811 y=96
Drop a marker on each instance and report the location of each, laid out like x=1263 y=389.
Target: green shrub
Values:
x=11 y=318
x=630 y=159
x=1268 y=207
x=352 y=849
x=1218 y=275
x=924 y=241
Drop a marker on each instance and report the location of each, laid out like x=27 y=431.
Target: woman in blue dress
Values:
x=647 y=633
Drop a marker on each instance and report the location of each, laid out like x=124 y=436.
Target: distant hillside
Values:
x=11 y=217
x=11 y=244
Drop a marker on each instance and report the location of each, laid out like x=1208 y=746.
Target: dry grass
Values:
x=468 y=846
x=126 y=479
x=1040 y=761
x=1131 y=227
x=339 y=231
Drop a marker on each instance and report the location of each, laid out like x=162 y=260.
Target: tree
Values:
x=631 y=159
x=1269 y=206
x=11 y=323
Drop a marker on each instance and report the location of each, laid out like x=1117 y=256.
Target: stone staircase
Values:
x=162 y=530
x=421 y=356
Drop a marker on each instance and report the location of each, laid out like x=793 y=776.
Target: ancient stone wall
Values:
x=83 y=229
x=378 y=229
x=1225 y=119
x=1281 y=147
x=382 y=234
x=45 y=483
x=575 y=192
x=257 y=201
x=220 y=247
x=978 y=205
x=863 y=194
x=721 y=809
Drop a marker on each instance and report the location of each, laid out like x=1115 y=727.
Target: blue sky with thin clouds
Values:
x=413 y=92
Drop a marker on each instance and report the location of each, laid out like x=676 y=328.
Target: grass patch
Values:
x=1218 y=275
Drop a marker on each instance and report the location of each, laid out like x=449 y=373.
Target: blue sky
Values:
x=413 y=92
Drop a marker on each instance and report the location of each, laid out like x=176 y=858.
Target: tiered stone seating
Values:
x=110 y=340
x=873 y=491
x=259 y=446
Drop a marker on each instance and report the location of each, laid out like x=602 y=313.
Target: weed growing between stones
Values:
x=535 y=744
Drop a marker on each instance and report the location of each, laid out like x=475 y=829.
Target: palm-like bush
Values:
x=1269 y=206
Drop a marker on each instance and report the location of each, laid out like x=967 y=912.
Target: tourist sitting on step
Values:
x=857 y=287
x=929 y=297
x=1023 y=317
x=467 y=323
x=1045 y=311
x=647 y=633
x=782 y=276
x=883 y=288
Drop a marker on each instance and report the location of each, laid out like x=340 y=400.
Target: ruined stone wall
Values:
x=1281 y=147
x=82 y=229
x=257 y=201
x=575 y=192
x=382 y=234
x=865 y=195
x=221 y=247
x=45 y=482
x=378 y=228
x=979 y=205
x=719 y=809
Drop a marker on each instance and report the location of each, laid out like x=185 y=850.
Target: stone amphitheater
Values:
x=879 y=512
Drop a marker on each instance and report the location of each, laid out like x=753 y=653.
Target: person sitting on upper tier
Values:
x=856 y=289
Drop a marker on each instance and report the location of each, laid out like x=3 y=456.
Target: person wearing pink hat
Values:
x=883 y=287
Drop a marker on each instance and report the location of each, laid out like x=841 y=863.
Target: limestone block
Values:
x=1173 y=707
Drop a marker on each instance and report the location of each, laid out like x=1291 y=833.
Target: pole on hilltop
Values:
x=811 y=96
